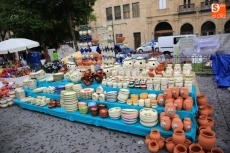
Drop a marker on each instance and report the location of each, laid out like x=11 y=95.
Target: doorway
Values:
x=163 y=29
x=137 y=40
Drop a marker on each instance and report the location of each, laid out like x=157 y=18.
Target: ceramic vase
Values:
x=165 y=123
x=160 y=99
x=167 y=93
x=161 y=143
x=178 y=104
x=178 y=136
x=201 y=99
x=153 y=146
x=170 y=110
x=175 y=92
x=187 y=104
x=170 y=144
x=147 y=140
x=177 y=124
x=207 y=139
x=202 y=120
x=155 y=134
x=187 y=125
x=184 y=92
x=195 y=148
x=180 y=148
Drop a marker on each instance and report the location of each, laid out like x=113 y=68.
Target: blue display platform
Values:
x=136 y=128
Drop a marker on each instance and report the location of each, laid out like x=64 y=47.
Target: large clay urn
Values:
x=170 y=110
x=178 y=136
x=175 y=92
x=195 y=148
x=153 y=146
x=177 y=123
x=184 y=92
x=170 y=144
x=120 y=39
x=207 y=139
x=201 y=99
x=155 y=134
x=165 y=123
x=180 y=148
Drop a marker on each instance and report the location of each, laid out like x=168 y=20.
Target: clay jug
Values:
x=160 y=99
x=187 y=104
x=207 y=139
x=153 y=146
x=202 y=120
x=201 y=99
x=147 y=140
x=204 y=127
x=216 y=150
x=170 y=144
x=178 y=104
x=175 y=92
x=184 y=92
x=210 y=122
x=187 y=143
x=161 y=142
x=167 y=93
x=155 y=134
x=178 y=136
x=177 y=123
x=180 y=148
x=170 y=100
x=187 y=124
x=170 y=110
x=203 y=110
x=210 y=109
x=195 y=148
x=165 y=123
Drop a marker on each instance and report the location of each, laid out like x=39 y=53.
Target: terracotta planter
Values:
x=155 y=134
x=120 y=39
x=195 y=148
x=210 y=122
x=160 y=100
x=178 y=136
x=175 y=92
x=165 y=123
x=216 y=150
x=177 y=124
x=167 y=93
x=170 y=110
x=103 y=112
x=153 y=146
x=187 y=124
x=207 y=139
x=170 y=144
x=202 y=120
x=178 y=104
x=203 y=110
x=161 y=143
x=187 y=143
x=180 y=148
x=204 y=127
x=147 y=140
x=184 y=92
x=201 y=99
x=187 y=104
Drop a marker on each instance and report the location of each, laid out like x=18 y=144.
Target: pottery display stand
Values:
x=119 y=125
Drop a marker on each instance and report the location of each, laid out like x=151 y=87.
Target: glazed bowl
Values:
x=80 y=104
x=58 y=76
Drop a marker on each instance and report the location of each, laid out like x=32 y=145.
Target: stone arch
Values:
x=186 y=28
x=208 y=28
x=227 y=27
x=163 y=29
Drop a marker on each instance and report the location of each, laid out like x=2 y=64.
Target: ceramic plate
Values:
x=129 y=111
x=129 y=122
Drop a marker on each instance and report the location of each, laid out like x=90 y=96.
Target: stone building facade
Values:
x=143 y=20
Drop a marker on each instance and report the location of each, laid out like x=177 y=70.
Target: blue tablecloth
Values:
x=136 y=128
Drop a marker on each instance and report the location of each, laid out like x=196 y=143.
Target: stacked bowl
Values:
x=87 y=93
x=58 y=89
x=111 y=96
x=69 y=86
x=58 y=76
x=148 y=117
x=123 y=95
x=129 y=116
x=77 y=88
x=83 y=109
x=70 y=100
x=115 y=113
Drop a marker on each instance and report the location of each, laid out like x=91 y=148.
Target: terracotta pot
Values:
x=216 y=150
x=79 y=62
x=98 y=78
x=207 y=139
x=93 y=111
x=170 y=144
x=204 y=127
x=162 y=114
x=184 y=92
x=210 y=109
x=151 y=72
x=103 y=112
x=175 y=116
x=180 y=148
x=167 y=93
x=175 y=92
x=177 y=124
x=120 y=39
x=187 y=124
x=178 y=104
x=210 y=122
x=153 y=146
x=155 y=134
x=180 y=98
x=170 y=110
x=201 y=99
x=160 y=100
x=187 y=104
x=147 y=140
x=203 y=110
x=187 y=143
x=195 y=148
x=178 y=136
x=99 y=62
x=202 y=120
x=161 y=143
x=165 y=123
x=170 y=100
x=94 y=62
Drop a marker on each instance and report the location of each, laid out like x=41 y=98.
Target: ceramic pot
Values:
x=160 y=100
x=167 y=93
x=178 y=136
x=93 y=111
x=151 y=72
x=170 y=110
x=178 y=104
x=170 y=144
x=161 y=142
x=187 y=143
x=170 y=100
x=203 y=110
x=175 y=92
x=207 y=139
x=210 y=122
x=180 y=148
x=216 y=150
x=155 y=134
x=103 y=112
x=153 y=146
x=202 y=120
x=177 y=124
x=147 y=140
x=165 y=123
x=184 y=92
x=120 y=39
x=180 y=98
x=187 y=104
x=204 y=127
x=210 y=109
x=201 y=99
x=187 y=124
x=162 y=114
x=98 y=78
x=195 y=148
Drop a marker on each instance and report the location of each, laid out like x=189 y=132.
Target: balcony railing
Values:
x=206 y=6
x=186 y=8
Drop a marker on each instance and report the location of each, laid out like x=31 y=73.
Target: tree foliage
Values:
x=47 y=21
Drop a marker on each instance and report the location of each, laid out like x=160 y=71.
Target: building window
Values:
x=126 y=11
x=187 y=3
x=136 y=10
x=117 y=12
x=118 y=35
x=162 y=4
x=109 y=14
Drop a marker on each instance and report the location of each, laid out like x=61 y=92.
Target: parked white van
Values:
x=167 y=43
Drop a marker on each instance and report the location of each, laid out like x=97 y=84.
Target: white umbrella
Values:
x=16 y=44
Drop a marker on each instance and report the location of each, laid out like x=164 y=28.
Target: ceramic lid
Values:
x=127 y=59
x=152 y=59
x=148 y=112
x=139 y=58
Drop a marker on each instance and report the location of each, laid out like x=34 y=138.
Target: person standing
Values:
x=33 y=60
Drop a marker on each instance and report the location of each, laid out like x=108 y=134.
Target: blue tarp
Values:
x=221 y=70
